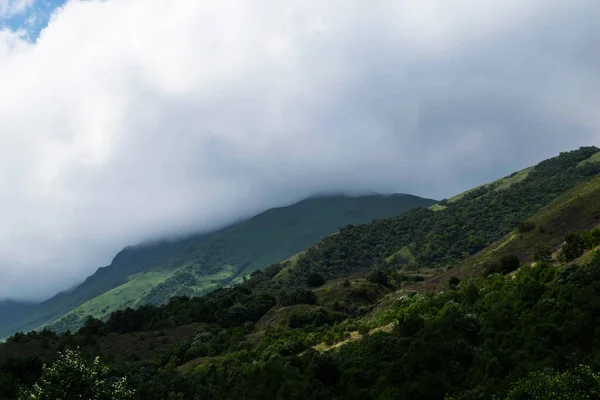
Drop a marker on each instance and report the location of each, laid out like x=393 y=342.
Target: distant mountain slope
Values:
x=11 y=311
x=152 y=273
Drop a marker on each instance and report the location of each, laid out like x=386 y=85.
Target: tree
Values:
x=542 y=253
x=454 y=282
x=572 y=248
x=378 y=276
x=526 y=226
x=578 y=383
x=91 y=326
x=297 y=296
x=74 y=377
x=507 y=264
x=315 y=280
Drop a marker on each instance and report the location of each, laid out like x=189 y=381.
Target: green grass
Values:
x=437 y=207
x=574 y=211
x=126 y=295
x=499 y=184
x=594 y=158
x=405 y=256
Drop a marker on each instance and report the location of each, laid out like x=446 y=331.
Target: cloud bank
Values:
x=129 y=120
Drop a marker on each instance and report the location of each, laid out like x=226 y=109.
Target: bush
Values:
x=573 y=247
x=363 y=330
x=315 y=280
x=378 y=276
x=506 y=264
x=526 y=226
x=297 y=296
x=454 y=282
x=542 y=253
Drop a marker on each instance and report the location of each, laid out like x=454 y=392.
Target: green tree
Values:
x=315 y=280
x=454 y=282
x=72 y=376
x=572 y=248
x=542 y=253
x=506 y=264
x=378 y=276
x=578 y=383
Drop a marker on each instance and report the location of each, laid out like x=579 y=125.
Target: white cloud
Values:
x=10 y=8
x=131 y=119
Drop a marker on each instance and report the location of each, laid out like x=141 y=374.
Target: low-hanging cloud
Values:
x=129 y=120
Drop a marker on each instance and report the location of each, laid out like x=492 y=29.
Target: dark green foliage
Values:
x=227 y=307
x=575 y=244
x=273 y=270
x=92 y=326
x=572 y=248
x=316 y=317
x=290 y=297
x=315 y=280
x=506 y=264
x=453 y=282
x=526 y=226
x=542 y=253
x=17 y=372
x=378 y=276
x=577 y=383
x=486 y=337
x=446 y=237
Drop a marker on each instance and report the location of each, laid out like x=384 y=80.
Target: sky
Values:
x=123 y=121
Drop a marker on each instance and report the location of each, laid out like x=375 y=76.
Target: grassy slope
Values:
x=152 y=273
x=500 y=184
x=575 y=211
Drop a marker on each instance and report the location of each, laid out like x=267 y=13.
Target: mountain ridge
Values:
x=140 y=268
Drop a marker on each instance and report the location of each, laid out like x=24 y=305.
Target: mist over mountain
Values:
x=122 y=122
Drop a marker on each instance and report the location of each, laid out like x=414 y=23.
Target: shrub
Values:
x=378 y=276
x=506 y=264
x=315 y=280
x=573 y=247
x=542 y=253
x=454 y=282
x=526 y=226
x=297 y=296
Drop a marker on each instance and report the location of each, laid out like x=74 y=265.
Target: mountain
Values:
x=11 y=311
x=152 y=273
x=493 y=293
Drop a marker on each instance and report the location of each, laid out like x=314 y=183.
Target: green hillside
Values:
x=438 y=239
x=151 y=274
x=509 y=308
